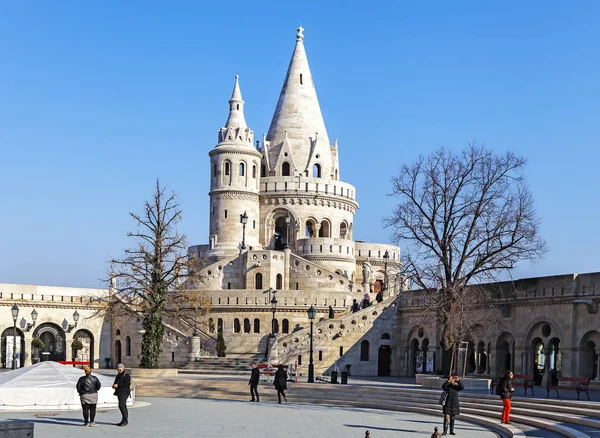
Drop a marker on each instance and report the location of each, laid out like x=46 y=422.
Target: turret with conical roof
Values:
x=297 y=136
x=234 y=183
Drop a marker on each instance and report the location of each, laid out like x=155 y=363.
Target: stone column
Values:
x=27 y=351
x=598 y=366
x=69 y=347
x=546 y=377
x=194 y=348
x=405 y=362
x=286 y=268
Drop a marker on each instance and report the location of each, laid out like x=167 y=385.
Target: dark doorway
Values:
x=54 y=341
x=118 y=352
x=384 y=360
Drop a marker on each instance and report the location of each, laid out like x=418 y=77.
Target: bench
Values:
x=322 y=379
x=524 y=380
x=580 y=384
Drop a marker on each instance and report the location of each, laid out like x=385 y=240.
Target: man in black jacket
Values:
x=122 y=391
x=254 y=379
x=87 y=388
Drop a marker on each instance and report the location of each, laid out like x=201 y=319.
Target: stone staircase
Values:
x=530 y=417
x=235 y=366
x=329 y=335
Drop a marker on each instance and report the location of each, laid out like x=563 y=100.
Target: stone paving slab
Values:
x=168 y=417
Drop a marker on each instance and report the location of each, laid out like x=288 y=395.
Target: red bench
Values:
x=264 y=368
x=580 y=384
x=524 y=380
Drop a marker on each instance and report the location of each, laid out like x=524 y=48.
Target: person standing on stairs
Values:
x=506 y=389
x=280 y=382
x=253 y=382
x=452 y=406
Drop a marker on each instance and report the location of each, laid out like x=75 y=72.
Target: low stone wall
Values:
x=471 y=384
x=158 y=372
x=16 y=429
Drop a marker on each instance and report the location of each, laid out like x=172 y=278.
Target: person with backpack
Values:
x=505 y=390
x=122 y=386
x=87 y=388
x=451 y=406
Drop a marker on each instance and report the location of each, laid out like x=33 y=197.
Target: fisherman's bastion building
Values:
x=281 y=240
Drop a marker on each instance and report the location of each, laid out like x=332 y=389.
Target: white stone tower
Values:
x=303 y=202
x=234 y=184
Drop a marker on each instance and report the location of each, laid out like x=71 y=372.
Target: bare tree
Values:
x=156 y=279
x=466 y=219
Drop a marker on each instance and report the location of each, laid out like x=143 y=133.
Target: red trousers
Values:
x=506 y=410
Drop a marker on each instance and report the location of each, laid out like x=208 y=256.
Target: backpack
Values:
x=131 y=383
x=498 y=388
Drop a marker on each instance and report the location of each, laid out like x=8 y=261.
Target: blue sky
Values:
x=97 y=99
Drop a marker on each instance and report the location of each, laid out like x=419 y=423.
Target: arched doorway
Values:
x=384 y=360
x=281 y=230
x=481 y=358
x=117 y=352
x=87 y=353
x=588 y=355
x=8 y=340
x=539 y=360
x=54 y=341
x=504 y=353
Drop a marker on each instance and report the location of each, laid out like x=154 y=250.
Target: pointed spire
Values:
x=236 y=108
x=298 y=114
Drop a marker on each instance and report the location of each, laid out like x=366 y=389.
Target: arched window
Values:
x=236 y=326
x=242 y=169
x=256 y=325
x=285 y=169
x=385 y=336
x=324 y=231
x=254 y=171
x=285 y=326
x=317 y=171
x=118 y=332
x=247 y=325
x=279 y=282
x=258 y=281
x=211 y=325
x=227 y=168
x=310 y=228
x=127 y=346
x=343 y=230
x=263 y=171
x=219 y=325
x=364 y=351
x=214 y=170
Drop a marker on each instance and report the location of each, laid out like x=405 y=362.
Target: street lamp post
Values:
x=386 y=257
x=15 y=314
x=312 y=312
x=273 y=308
x=288 y=220
x=244 y=220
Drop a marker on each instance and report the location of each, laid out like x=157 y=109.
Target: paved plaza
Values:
x=167 y=417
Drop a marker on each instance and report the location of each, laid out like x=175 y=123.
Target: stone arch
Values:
x=538 y=323
x=256 y=325
x=504 y=352
x=278 y=281
x=316 y=170
x=310 y=227
x=8 y=340
x=247 y=326
x=589 y=346
x=285 y=169
x=325 y=228
x=258 y=281
x=87 y=339
x=237 y=328
x=343 y=230
x=227 y=173
x=53 y=337
x=276 y=227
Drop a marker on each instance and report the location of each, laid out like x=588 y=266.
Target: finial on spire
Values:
x=300 y=35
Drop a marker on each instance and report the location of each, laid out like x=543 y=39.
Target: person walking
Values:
x=331 y=312
x=280 y=382
x=122 y=391
x=253 y=382
x=506 y=389
x=355 y=306
x=452 y=406
x=87 y=388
